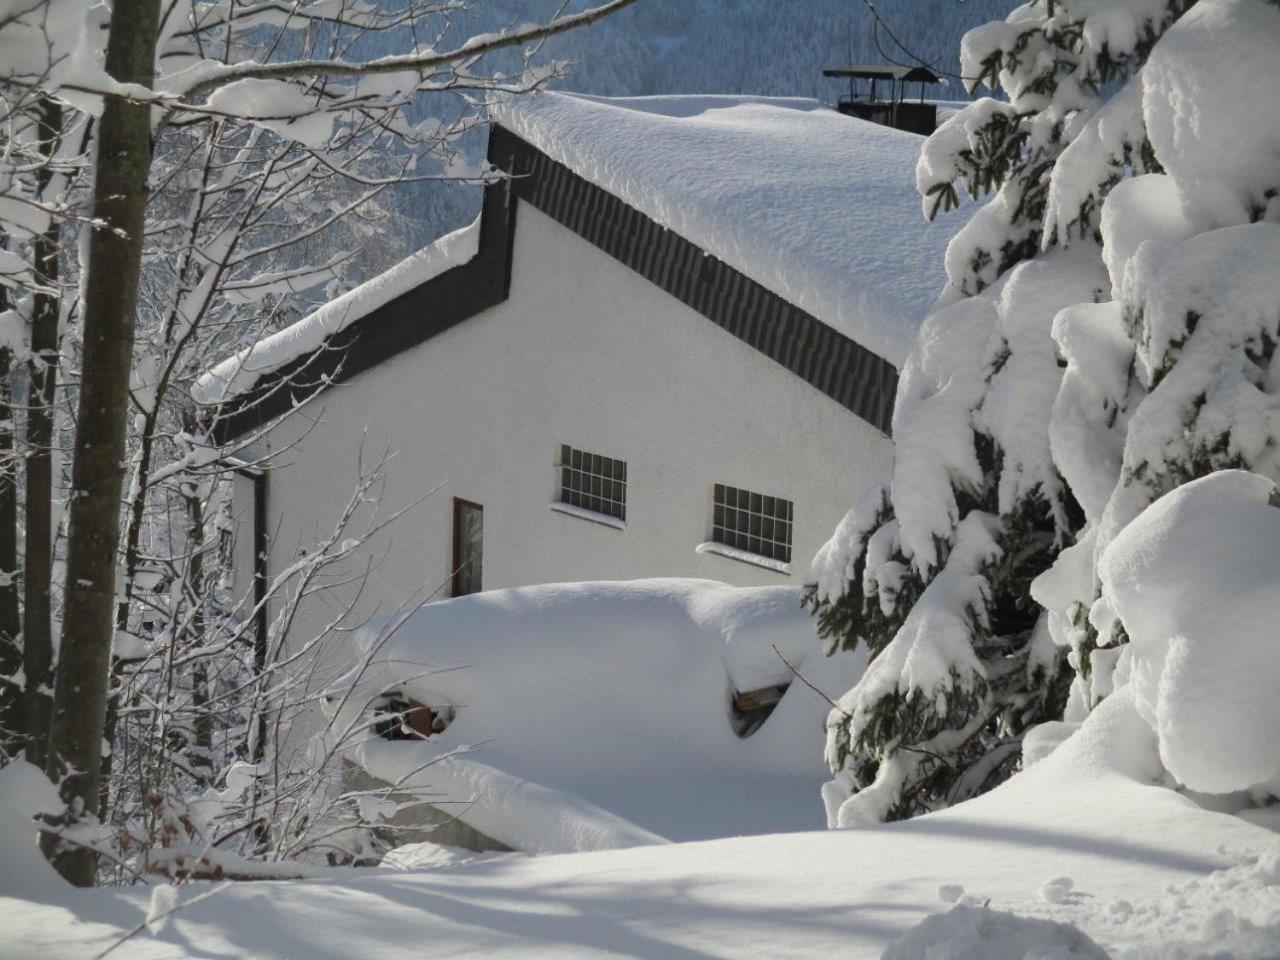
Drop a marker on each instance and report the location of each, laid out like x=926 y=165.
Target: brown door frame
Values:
x=455 y=580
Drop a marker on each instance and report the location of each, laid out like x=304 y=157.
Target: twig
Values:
x=799 y=676
x=150 y=919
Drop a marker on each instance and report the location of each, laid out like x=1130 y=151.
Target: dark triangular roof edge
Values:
x=847 y=372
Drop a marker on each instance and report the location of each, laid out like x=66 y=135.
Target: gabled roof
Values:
x=792 y=227
x=239 y=373
x=820 y=208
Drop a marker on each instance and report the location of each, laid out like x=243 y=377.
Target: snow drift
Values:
x=976 y=933
x=598 y=715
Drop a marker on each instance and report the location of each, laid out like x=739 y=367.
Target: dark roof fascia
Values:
x=853 y=376
x=874 y=71
x=412 y=318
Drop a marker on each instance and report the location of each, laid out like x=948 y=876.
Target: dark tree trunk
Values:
x=12 y=708
x=37 y=642
x=197 y=591
x=132 y=555
x=111 y=288
x=261 y=831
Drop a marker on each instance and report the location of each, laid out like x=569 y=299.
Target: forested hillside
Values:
x=749 y=46
x=761 y=47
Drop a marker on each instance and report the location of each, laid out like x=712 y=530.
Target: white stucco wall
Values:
x=588 y=353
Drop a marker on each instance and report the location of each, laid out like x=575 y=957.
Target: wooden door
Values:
x=468 y=547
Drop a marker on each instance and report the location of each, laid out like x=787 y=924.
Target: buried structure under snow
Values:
x=599 y=715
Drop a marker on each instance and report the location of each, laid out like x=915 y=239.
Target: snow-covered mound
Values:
x=25 y=793
x=1196 y=581
x=598 y=715
x=239 y=372
x=1086 y=837
x=818 y=207
x=977 y=933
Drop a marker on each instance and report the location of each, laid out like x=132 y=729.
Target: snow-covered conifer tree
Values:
x=1176 y=376
x=933 y=572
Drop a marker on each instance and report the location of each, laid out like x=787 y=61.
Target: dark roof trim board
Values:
x=412 y=318
x=884 y=71
x=844 y=370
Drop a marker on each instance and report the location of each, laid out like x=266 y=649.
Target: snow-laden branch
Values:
x=181 y=90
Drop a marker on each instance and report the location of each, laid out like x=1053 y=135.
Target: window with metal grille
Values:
x=592 y=482
x=753 y=522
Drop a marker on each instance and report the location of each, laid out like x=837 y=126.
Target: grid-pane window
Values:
x=753 y=522
x=593 y=482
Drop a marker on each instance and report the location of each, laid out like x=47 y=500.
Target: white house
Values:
x=667 y=347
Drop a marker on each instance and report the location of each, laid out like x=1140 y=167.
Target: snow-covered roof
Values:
x=239 y=372
x=818 y=207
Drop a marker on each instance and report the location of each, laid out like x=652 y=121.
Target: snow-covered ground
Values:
x=1081 y=836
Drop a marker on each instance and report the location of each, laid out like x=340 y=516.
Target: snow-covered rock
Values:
x=432 y=856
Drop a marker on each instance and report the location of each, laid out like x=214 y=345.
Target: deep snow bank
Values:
x=25 y=793
x=598 y=715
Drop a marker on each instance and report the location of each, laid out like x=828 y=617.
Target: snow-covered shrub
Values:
x=933 y=573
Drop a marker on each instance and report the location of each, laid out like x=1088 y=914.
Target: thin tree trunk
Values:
x=38 y=561
x=197 y=593
x=132 y=553
x=111 y=288
x=12 y=707
x=261 y=832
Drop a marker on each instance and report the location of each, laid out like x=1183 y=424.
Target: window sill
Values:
x=744 y=556
x=589 y=515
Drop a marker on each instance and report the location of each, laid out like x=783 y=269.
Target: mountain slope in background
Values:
x=762 y=47
x=752 y=46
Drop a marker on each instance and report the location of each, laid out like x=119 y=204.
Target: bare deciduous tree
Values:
x=215 y=132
